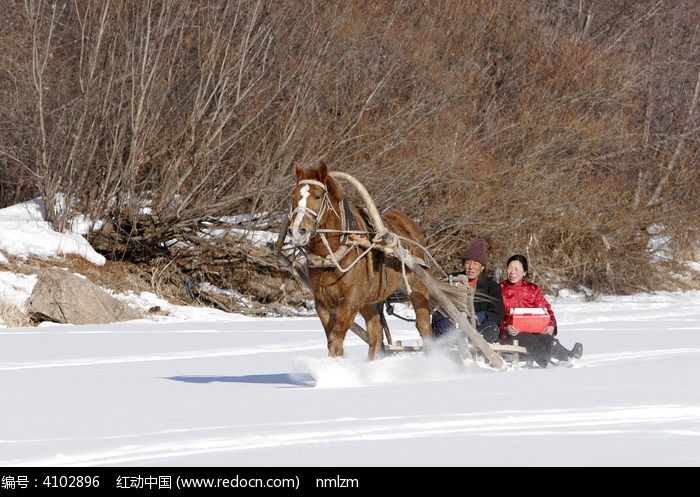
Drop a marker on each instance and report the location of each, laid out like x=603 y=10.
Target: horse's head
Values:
x=315 y=197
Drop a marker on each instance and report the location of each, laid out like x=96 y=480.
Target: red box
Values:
x=530 y=320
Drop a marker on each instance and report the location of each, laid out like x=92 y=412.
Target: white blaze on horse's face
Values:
x=310 y=203
x=300 y=236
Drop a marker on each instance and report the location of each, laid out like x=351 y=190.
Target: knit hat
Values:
x=476 y=252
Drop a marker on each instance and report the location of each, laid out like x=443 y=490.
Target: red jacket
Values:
x=523 y=294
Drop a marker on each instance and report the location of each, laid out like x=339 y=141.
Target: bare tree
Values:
x=564 y=129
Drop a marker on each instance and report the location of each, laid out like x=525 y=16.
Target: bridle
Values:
x=333 y=258
x=314 y=216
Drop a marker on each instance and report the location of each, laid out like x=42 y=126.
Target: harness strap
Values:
x=348 y=216
x=312 y=182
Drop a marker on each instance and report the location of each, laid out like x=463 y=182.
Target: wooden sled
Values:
x=514 y=355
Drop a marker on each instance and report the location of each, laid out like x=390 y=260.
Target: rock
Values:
x=63 y=297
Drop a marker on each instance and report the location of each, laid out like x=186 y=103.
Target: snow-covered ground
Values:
x=203 y=388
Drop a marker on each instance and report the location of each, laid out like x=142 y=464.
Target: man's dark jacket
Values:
x=488 y=299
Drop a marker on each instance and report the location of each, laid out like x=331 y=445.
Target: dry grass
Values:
x=13 y=317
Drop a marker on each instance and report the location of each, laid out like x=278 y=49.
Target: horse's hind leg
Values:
x=374 y=330
x=421 y=307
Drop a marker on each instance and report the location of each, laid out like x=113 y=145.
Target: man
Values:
x=488 y=303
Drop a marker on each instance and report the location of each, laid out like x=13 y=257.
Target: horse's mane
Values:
x=358 y=217
x=335 y=190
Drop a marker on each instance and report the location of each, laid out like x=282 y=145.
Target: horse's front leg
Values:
x=328 y=320
x=338 y=326
x=374 y=329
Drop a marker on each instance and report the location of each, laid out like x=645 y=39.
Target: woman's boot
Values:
x=577 y=351
x=561 y=353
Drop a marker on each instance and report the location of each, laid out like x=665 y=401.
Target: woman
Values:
x=517 y=292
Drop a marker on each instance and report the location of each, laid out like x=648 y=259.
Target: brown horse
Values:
x=347 y=272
